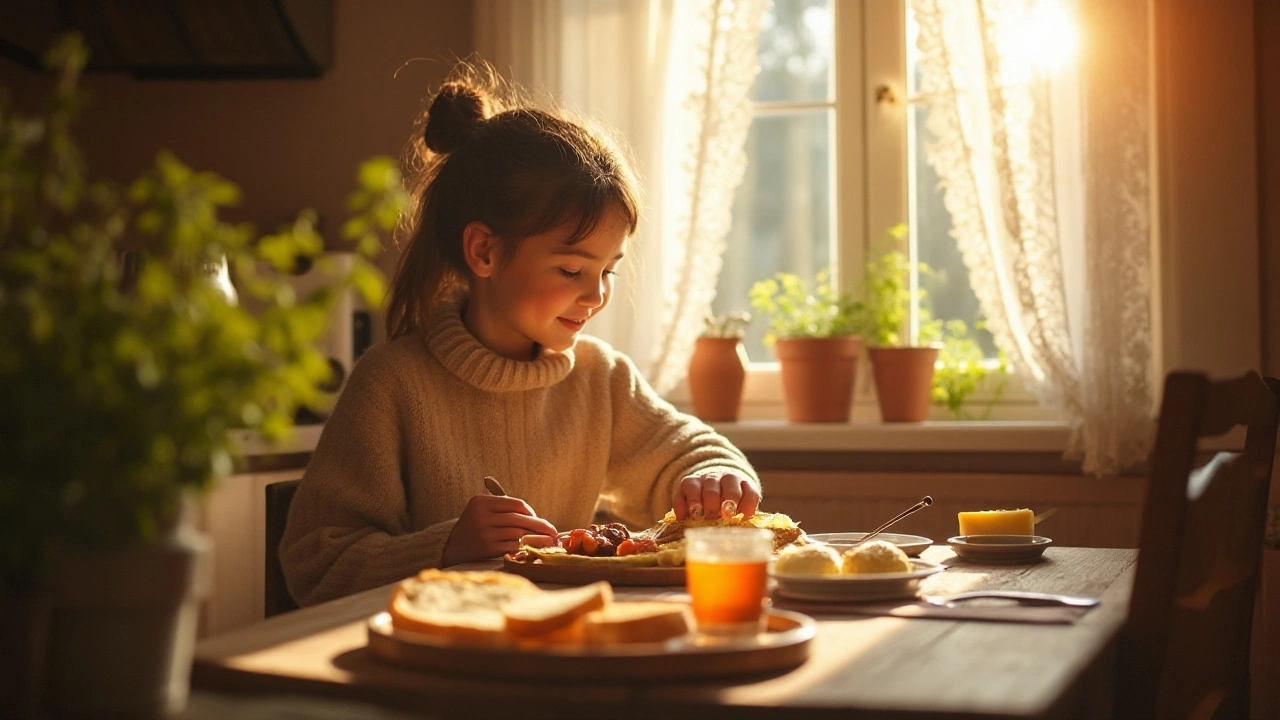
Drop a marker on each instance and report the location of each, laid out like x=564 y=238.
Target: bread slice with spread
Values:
x=461 y=606
x=482 y=608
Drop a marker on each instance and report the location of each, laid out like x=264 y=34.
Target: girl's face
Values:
x=545 y=295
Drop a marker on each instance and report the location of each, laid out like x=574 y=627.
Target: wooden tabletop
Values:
x=886 y=666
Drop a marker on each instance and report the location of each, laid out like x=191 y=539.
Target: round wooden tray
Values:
x=785 y=645
x=538 y=571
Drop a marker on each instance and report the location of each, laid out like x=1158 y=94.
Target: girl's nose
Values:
x=594 y=296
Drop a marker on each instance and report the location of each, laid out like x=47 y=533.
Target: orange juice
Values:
x=727 y=573
x=727 y=592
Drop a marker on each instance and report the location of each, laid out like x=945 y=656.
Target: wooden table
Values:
x=884 y=666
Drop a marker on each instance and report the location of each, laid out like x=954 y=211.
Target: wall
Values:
x=1268 y=87
x=1267 y=16
x=289 y=144
x=1090 y=512
x=1208 y=197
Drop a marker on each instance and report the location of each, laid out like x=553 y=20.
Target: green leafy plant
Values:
x=794 y=312
x=119 y=383
x=962 y=369
x=728 y=325
x=888 y=301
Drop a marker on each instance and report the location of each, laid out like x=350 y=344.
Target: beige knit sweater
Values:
x=423 y=419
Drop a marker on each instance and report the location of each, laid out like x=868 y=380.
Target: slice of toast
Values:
x=535 y=614
x=460 y=606
x=639 y=621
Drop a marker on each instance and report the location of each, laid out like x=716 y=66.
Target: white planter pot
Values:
x=123 y=628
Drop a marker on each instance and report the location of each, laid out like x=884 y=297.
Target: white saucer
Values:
x=999 y=548
x=856 y=588
x=912 y=545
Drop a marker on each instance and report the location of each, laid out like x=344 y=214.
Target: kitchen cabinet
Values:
x=234 y=516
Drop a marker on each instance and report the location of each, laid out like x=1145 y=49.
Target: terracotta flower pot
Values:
x=904 y=381
x=717 y=376
x=123 y=627
x=24 y=634
x=818 y=377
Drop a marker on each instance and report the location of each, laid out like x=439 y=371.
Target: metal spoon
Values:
x=925 y=502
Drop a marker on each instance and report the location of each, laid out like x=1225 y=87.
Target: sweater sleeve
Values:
x=654 y=447
x=348 y=528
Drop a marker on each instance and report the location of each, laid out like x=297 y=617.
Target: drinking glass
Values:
x=727 y=572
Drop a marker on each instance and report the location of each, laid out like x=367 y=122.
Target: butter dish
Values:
x=999 y=548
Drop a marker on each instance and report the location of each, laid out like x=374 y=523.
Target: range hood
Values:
x=178 y=39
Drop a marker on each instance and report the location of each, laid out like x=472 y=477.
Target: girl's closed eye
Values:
x=575 y=274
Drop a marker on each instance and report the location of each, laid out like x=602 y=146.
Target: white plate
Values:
x=999 y=548
x=912 y=545
x=856 y=588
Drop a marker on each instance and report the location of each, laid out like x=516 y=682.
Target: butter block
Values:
x=998 y=522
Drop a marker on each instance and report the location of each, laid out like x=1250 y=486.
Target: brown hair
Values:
x=477 y=155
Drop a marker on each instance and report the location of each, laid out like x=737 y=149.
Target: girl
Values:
x=520 y=223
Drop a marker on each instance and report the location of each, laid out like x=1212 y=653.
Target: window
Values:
x=834 y=160
x=783 y=215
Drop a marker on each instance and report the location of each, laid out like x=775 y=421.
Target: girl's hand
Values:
x=491 y=526
x=712 y=495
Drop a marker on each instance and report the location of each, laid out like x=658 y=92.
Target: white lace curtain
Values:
x=1046 y=175
x=673 y=77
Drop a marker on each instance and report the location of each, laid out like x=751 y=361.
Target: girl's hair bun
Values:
x=456 y=112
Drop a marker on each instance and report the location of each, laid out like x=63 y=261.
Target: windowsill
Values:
x=932 y=436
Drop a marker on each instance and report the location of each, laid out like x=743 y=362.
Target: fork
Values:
x=1028 y=598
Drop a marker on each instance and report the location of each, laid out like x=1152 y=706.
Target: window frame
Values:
x=870 y=141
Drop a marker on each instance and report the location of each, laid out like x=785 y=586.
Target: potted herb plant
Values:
x=962 y=369
x=118 y=386
x=816 y=339
x=718 y=368
x=903 y=372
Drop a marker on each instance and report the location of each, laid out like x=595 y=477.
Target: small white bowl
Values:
x=912 y=545
x=999 y=548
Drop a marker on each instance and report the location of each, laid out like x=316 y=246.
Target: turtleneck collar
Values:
x=462 y=354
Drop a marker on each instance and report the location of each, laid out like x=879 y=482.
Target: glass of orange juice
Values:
x=727 y=573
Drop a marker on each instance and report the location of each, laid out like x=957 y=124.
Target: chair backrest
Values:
x=1184 y=649
x=277 y=598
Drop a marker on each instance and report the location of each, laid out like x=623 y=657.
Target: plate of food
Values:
x=875 y=570
x=1000 y=548
x=501 y=625
x=612 y=552
x=912 y=545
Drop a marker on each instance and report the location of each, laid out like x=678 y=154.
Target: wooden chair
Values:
x=276 y=596
x=1184 y=649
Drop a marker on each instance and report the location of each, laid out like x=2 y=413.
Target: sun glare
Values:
x=1043 y=38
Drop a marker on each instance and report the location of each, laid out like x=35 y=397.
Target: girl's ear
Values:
x=480 y=248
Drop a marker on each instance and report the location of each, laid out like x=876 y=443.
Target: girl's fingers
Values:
x=538 y=541
x=750 y=501
x=711 y=495
x=504 y=504
x=513 y=513
x=498 y=535
x=686 y=499
x=504 y=547
x=730 y=494
x=525 y=524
